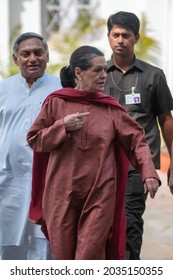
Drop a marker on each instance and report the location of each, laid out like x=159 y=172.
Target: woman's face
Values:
x=94 y=78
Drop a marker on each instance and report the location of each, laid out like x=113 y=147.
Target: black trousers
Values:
x=135 y=206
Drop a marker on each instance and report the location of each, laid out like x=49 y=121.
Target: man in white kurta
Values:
x=20 y=102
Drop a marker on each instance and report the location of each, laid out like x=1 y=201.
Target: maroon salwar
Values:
x=83 y=176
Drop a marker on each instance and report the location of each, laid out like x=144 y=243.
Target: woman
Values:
x=77 y=137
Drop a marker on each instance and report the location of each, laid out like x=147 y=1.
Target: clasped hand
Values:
x=151 y=185
x=74 y=121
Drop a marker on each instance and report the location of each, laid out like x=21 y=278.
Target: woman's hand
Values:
x=74 y=121
x=151 y=185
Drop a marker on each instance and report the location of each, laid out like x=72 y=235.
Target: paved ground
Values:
x=158 y=227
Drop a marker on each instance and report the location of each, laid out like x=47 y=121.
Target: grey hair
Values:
x=29 y=35
x=82 y=56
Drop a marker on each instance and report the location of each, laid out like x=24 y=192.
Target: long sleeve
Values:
x=46 y=134
x=131 y=138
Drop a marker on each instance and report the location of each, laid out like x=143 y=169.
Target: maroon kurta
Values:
x=81 y=179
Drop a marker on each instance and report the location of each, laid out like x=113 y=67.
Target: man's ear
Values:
x=48 y=57
x=137 y=37
x=15 y=59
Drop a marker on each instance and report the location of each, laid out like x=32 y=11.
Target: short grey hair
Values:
x=29 y=35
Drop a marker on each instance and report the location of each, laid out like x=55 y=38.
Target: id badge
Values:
x=134 y=98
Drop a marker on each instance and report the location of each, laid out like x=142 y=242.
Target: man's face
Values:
x=32 y=59
x=122 y=40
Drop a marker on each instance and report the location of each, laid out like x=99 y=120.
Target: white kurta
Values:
x=19 y=106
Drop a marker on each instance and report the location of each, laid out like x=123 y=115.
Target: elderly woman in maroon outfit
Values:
x=79 y=139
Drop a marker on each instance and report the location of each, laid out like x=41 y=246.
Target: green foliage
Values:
x=147 y=48
x=13 y=69
x=64 y=43
x=87 y=28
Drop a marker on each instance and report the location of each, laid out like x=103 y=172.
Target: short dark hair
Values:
x=125 y=19
x=29 y=35
x=81 y=58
